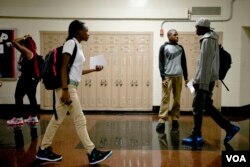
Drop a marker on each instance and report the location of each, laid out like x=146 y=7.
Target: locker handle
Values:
x=104 y=82
x=132 y=83
x=89 y=82
x=148 y=83
x=120 y=82
x=136 y=83
x=116 y=82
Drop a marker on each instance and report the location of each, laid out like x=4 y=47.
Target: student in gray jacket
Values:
x=207 y=72
x=172 y=66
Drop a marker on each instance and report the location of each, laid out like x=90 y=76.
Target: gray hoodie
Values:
x=172 y=61
x=207 y=69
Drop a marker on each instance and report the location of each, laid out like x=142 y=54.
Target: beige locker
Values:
x=124 y=84
x=126 y=81
x=49 y=40
x=104 y=84
x=118 y=81
x=139 y=95
x=190 y=42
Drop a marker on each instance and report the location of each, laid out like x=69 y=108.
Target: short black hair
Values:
x=170 y=32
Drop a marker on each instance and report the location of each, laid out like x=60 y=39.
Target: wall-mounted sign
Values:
x=7 y=54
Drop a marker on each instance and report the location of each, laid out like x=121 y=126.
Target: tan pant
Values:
x=174 y=84
x=75 y=111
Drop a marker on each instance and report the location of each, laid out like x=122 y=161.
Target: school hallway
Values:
x=131 y=137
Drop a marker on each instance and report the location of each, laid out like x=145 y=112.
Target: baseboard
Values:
x=6 y=109
x=243 y=111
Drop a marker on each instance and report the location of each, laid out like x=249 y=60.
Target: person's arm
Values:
x=161 y=62
x=97 y=68
x=25 y=52
x=206 y=63
x=65 y=98
x=184 y=66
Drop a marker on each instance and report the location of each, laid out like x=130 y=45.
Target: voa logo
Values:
x=236 y=158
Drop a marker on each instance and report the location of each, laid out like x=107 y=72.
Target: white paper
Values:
x=190 y=85
x=97 y=61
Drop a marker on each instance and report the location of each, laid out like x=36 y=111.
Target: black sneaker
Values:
x=175 y=124
x=230 y=134
x=193 y=140
x=160 y=128
x=97 y=156
x=48 y=155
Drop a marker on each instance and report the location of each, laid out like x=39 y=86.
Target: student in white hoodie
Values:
x=207 y=72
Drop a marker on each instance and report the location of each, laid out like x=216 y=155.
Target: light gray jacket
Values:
x=207 y=69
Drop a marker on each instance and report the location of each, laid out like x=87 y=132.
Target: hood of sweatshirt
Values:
x=210 y=34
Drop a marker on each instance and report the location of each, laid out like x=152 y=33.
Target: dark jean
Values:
x=26 y=86
x=203 y=102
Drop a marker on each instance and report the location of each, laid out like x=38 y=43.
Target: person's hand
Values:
x=165 y=82
x=98 y=68
x=186 y=82
x=1 y=83
x=26 y=36
x=65 y=98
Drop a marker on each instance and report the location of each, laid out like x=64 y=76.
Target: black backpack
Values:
x=225 y=64
x=51 y=70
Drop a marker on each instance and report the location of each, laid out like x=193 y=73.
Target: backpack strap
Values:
x=54 y=62
x=54 y=105
x=72 y=59
x=224 y=85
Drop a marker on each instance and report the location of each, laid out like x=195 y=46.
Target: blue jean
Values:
x=203 y=102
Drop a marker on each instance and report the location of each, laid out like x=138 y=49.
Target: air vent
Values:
x=206 y=11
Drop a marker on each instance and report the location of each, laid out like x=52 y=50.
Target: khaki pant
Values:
x=75 y=111
x=174 y=84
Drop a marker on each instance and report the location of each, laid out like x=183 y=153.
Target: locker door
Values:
x=146 y=82
x=90 y=82
x=104 y=79
x=127 y=64
x=131 y=82
x=190 y=42
x=85 y=82
x=49 y=40
x=118 y=81
x=143 y=72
